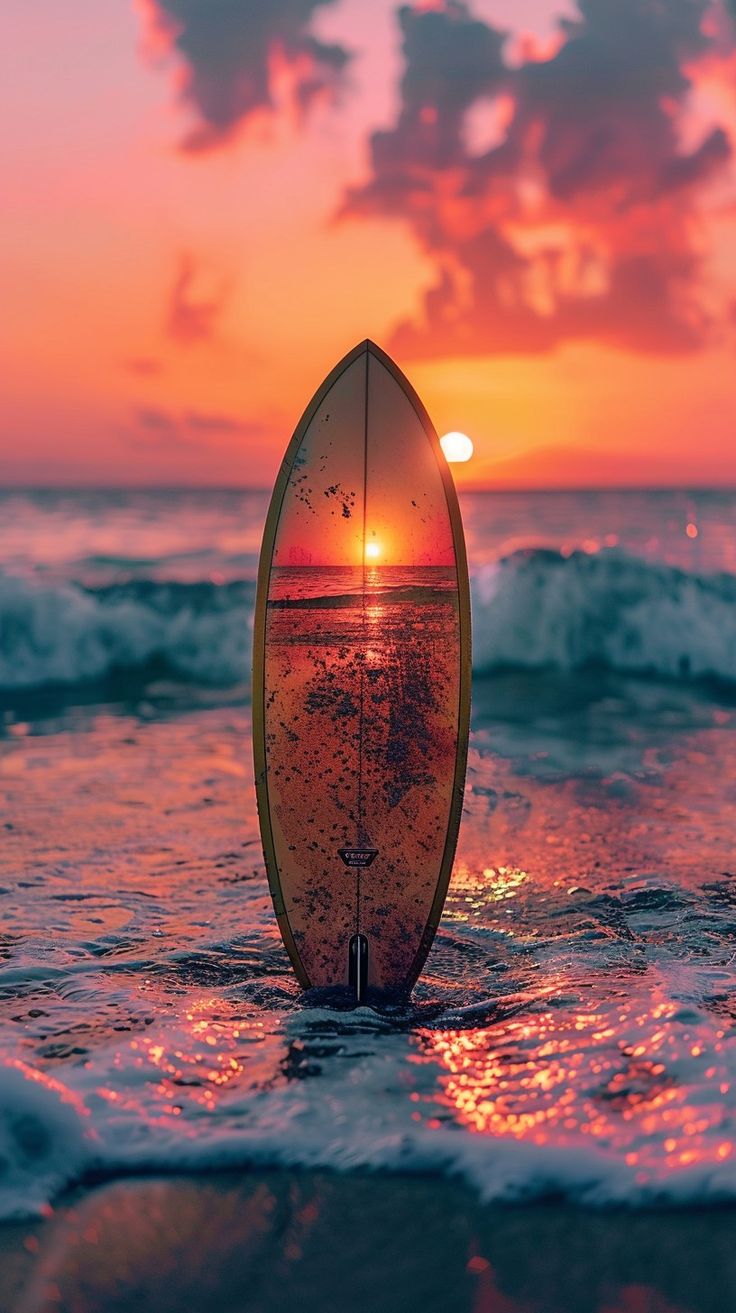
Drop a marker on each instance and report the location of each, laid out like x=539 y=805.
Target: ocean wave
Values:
x=535 y=609
x=540 y=609
x=45 y=1139
x=67 y=634
x=56 y=1133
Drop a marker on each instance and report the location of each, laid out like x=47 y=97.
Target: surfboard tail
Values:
x=358 y=966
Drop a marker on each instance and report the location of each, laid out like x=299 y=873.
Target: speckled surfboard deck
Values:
x=361 y=682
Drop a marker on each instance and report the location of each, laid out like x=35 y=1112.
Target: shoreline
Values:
x=269 y=1240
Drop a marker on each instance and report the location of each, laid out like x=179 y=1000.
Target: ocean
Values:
x=572 y=1032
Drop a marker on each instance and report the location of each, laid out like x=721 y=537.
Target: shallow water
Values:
x=573 y=1030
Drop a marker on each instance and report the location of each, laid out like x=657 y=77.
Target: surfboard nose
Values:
x=368 y=345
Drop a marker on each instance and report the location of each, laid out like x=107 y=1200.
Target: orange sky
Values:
x=200 y=223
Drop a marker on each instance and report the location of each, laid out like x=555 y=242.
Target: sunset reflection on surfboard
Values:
x=362 y=635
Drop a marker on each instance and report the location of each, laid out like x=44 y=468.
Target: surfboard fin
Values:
x=358 y=966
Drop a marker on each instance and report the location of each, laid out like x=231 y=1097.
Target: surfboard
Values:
x=361 y=682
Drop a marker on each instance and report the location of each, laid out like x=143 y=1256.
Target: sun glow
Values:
x=372 y=551
x=457 y=447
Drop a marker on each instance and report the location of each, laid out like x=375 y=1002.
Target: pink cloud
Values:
x=582 y=219
x=229 y=54
x=195 y=303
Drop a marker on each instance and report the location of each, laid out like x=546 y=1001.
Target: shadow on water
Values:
x=151 y=692
x=576 y=704
x=266 y=1241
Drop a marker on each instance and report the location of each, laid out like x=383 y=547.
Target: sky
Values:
x=532 y=207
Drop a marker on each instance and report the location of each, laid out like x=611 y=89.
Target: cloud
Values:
x=210 y=422
x=143 y=366
x=705 y=160
x=162 y=428
x=156 y=430
x=195 y=302
x=151 y=417
x=568 y=465
x=232 y=54
x=451 y=59
x=581 y=220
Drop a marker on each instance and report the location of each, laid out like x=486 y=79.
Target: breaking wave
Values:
x=67 y=634
x=535 y=609
x=540 y=609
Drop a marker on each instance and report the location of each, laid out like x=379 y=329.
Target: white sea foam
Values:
x=542 y=609
x=64 y=634
x=534 y=609
x=45 y=1139
x=355 y=1115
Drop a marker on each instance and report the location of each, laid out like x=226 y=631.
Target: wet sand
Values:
x=265 y=1242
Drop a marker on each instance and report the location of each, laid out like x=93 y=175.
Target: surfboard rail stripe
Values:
x=368 y=348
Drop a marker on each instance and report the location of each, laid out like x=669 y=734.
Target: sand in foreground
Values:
x=272 y=1241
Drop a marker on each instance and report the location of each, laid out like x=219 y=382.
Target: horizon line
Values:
x=14 y=488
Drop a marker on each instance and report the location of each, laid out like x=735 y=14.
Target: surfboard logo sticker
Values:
x=358 y=857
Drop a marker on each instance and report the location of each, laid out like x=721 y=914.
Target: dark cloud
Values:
x=158 y=427
x=580 y=220
x=230 y=52
x=451 y=61
x=604 y=106
x=155 y=420
x=196 y=302
x=707 y=158
x=143 y=366
x=210 y=422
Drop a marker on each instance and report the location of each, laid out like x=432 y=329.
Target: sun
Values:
x=456 y=446
x=372 y=551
